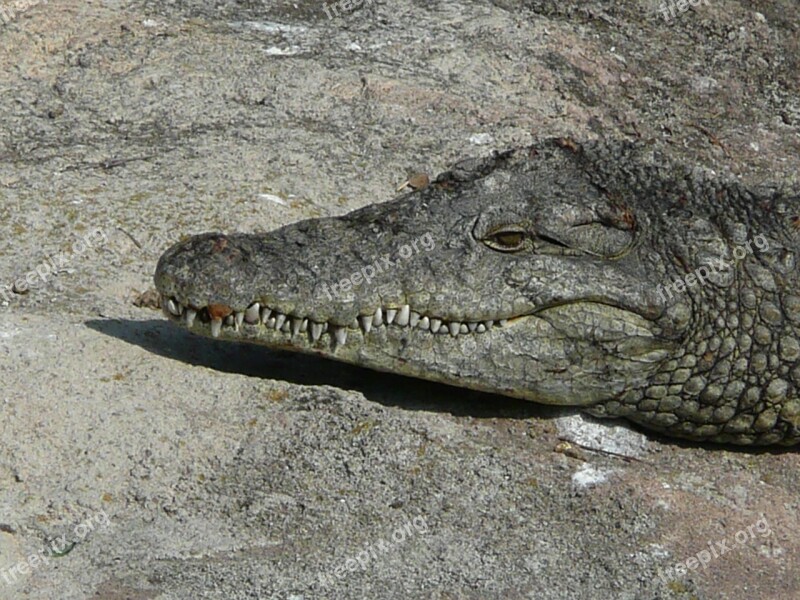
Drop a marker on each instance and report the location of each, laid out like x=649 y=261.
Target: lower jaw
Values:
x=526 y=357
x=439 y=358
x=379 y=349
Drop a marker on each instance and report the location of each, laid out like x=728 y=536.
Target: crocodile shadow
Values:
x=164 y=339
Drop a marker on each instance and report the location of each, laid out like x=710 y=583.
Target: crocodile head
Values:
x=512 y=275
x=533 y=274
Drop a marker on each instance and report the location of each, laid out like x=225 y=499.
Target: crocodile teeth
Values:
x=216 y=327
x=402 y=317
x=366 y=322
x=297 y=323
x=251 y=315
x=340 y=335
x=174 y=307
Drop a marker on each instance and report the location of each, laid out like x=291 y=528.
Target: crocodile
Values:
x=602 y=275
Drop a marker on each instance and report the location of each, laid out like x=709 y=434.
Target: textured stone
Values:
x=232 y=471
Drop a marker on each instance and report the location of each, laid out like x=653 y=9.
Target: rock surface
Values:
x=138 y=461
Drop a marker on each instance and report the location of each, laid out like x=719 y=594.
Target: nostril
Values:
x=219 y=244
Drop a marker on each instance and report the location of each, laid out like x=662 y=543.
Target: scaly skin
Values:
x=544 y=271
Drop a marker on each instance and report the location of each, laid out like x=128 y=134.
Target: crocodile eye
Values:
x=511 y=238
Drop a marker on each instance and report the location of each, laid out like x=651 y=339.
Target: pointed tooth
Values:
x=216 y=326
x=238 y=319
x=391 y=313
x=481 y=328
x=436 y=325
x=297 y=322
x=324 y=327
x=174 y=307
x=502 y=322
x=366 y=322
x=270 y=324
x=339 y=335
x=455 y=328
x=464 y=328
x=190 y=315
x=287 y=326
x=443 y=328
x=472 y=326
x=265 y=313
x=354 y=324
x=228 y=320
x=413 y=319
x=251 y=315
x=424 y=323
x=377 y=318
x=488 y=325
x=280 y=319
x=316 y=331
x=402 y=317
x=304 y=326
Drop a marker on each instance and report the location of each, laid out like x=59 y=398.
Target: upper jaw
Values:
x=261 y=323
